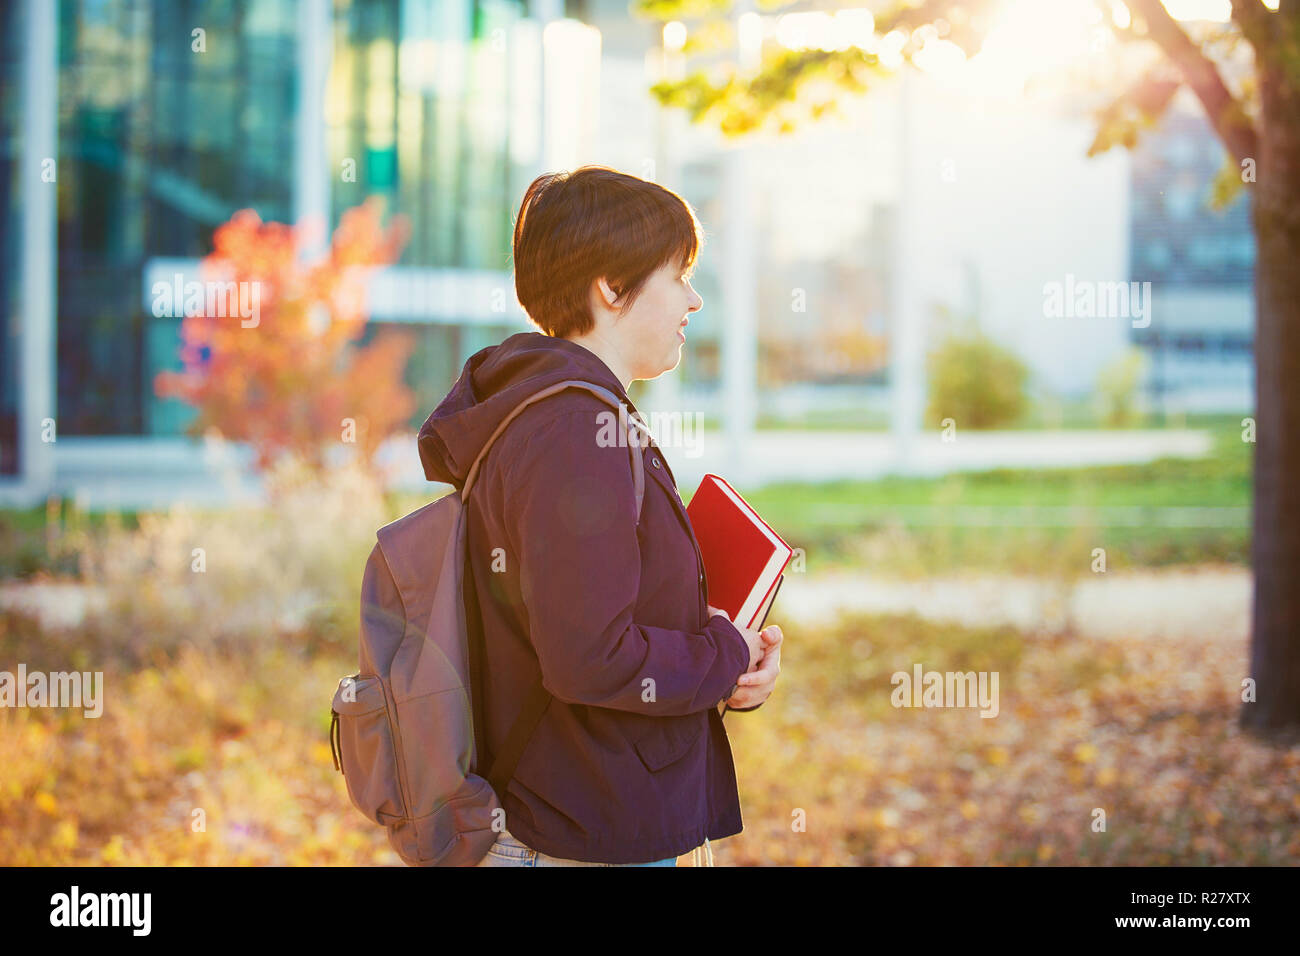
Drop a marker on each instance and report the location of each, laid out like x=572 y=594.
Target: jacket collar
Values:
x=493 y=381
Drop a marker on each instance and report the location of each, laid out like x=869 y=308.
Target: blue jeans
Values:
x=509 y=851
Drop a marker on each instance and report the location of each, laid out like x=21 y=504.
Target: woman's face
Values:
x=655 y=325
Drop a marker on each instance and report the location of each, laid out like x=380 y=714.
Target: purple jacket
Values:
x=569 y=586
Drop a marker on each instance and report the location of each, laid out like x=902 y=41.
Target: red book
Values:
x=743 y=557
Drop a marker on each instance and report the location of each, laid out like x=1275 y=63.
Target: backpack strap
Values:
x=538 y=698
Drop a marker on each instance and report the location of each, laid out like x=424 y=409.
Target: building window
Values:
x=1156 y=256
x=160 y=144
x=11 y=230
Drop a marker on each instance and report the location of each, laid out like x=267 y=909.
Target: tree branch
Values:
x=1138 y=107
x=1256 y=21
x=1226 y=115
x=1289 y=11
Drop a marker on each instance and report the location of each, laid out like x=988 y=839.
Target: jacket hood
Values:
x=494 y=380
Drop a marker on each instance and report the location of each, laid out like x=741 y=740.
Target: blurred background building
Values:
x=1201 y=267
x=166 y=117
x=131 y=129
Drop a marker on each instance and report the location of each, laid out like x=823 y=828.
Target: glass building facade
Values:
x=11 y=198
x=171 y=117
x=1200 y=264
x=1175 y=239
x=422 y=112
x=174 y=114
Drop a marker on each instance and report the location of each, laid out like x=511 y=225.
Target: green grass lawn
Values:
x=25 y=547
x=1170 y=511
x=1069 y=416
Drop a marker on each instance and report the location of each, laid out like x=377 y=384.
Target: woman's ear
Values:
x=611 y=297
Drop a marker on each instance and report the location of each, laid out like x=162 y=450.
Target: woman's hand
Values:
x=756 y=684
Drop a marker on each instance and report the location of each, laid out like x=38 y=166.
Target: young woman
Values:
x=630 y=763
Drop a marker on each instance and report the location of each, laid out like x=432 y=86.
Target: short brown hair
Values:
x=577 y=226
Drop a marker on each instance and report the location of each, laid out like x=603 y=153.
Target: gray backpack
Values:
x=406 y=730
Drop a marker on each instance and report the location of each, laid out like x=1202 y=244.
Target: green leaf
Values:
x=1227 y=185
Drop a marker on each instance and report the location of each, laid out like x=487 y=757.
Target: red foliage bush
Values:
x=293 y=380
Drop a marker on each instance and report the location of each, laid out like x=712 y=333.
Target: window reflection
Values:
x=163 y=134
x=11 y=212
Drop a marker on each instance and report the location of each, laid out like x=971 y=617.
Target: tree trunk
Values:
x=1275 y=641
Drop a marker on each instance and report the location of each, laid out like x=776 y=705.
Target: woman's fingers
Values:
x=767 y=670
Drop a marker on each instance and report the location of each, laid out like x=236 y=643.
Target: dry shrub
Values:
x=246 y=572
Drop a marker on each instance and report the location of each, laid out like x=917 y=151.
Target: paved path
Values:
x=1188 y=603
x=1192 y=603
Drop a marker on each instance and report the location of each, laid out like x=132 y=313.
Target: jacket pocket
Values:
x=670 y=742
x=367 y=756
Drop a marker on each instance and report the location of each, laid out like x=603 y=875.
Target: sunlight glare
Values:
x=939 y=57
x=1218 y=10
x=890 y=50
x=1031 y=37
x=674 y=36
x=816 y=30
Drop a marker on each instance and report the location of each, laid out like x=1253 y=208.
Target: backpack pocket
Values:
x=366 y=757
